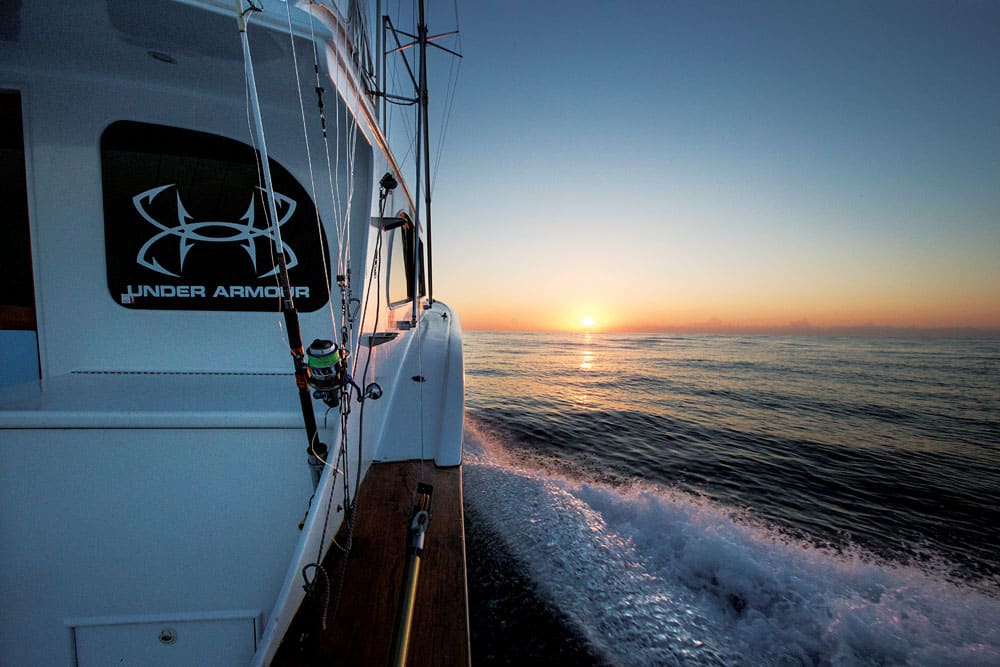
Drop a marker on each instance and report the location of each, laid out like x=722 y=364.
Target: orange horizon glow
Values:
x=752 y=204
x=719 y=327
x=541 y=319
x=740 y=295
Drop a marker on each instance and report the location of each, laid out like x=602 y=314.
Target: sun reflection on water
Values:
x=588 y=354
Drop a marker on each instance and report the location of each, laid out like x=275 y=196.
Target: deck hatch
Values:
x=222 y=638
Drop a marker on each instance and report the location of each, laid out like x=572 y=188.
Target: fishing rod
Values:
x=316 y=449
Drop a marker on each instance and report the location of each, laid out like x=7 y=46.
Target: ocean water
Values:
x=718 y=500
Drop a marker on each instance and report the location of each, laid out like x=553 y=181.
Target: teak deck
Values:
x=361 y=632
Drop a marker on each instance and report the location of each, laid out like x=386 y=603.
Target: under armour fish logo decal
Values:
x=188 y=232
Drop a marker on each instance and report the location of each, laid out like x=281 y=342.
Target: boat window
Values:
x=186 y=224
x=19 y=360
x=17 y=298
x=401 y=267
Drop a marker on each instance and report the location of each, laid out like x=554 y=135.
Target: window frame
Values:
x=402 y=232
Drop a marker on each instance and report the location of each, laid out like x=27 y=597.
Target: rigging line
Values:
x=342 y=203
x=260 y=184
x=338 y=211
x=450 y=94
x=350 y=130
x=256 y=163
x=325 y=134
x=395 y=74
x=358 y=17
x=410 y=148
x=315 y=437
x=329 y=503
x=261 y=190
x=344 y=463
x=420 y=391
x=343 y=227
x=326 y=520
x=271 y=209
x=340 y=217
x=346 y=294
x=352 y=144
x=392 y=110
x=374 y=282
x=350 y=499
x=351 y=508
x=449 y=102
x=338 y=201
x=309 y=162
x=321 y=578
x=387 y=121
x=318 y=455
x=375 y=275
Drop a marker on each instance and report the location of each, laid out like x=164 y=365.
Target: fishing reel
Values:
x=328 y=374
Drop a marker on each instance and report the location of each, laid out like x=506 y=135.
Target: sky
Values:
x=745 y=166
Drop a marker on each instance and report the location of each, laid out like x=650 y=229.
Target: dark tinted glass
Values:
x=17 y=297
x=186 y=224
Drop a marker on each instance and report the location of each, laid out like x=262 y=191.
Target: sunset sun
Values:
x=588 y=322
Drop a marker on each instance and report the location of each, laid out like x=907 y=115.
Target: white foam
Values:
x=653 y=576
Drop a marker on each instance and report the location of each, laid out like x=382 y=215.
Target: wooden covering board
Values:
x=361 y=632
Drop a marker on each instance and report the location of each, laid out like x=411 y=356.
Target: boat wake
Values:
x=655 y=576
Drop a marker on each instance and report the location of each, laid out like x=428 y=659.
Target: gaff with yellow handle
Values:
x=414 y=552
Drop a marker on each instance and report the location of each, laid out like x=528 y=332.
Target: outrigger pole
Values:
x=316 y=449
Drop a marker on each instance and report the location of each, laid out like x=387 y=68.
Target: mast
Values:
x=421 y=110
x=422 y=35
x=379 y=65
x=423 y=141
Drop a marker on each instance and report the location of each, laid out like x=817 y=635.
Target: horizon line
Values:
x=870 y=330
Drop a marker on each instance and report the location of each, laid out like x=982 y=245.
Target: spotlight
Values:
x=388 y=182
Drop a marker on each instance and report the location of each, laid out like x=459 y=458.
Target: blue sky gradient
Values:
x=672 y=165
